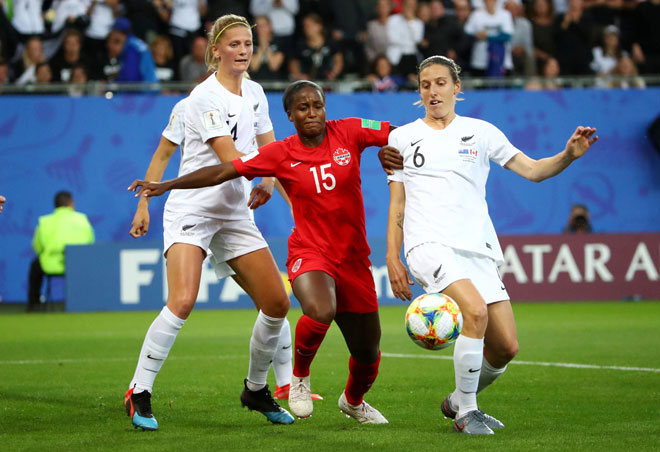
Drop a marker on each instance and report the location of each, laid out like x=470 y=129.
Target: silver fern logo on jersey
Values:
x=342 y=156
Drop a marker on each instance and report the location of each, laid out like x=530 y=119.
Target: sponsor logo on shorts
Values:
x=342 y=156
x=296 y=265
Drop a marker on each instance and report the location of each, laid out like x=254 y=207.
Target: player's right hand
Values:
x=400 y=280
x=147 y=189
x=140 y=224
x=390 y=159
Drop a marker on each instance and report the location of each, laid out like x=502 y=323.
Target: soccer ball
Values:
x=433 y=321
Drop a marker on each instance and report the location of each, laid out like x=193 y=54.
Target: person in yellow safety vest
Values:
x=63 y=227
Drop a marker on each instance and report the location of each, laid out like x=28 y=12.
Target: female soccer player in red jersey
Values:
x=328 y=261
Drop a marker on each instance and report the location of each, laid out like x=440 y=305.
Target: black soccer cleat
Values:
x=263 y=402
x=138 y=408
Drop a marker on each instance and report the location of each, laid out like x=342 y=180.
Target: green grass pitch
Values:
x=63 y=377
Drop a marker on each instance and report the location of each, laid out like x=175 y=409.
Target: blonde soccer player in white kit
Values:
x=225 y=116
x=438 y=208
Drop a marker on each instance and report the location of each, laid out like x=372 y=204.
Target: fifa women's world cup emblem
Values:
x=342 y=156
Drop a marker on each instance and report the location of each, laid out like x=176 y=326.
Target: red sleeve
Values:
x=366 y=132
x=262 y=162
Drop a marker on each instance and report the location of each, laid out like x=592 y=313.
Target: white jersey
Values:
x=444 y=177
x=494 y=24
x=212 y=111
x=186 y=15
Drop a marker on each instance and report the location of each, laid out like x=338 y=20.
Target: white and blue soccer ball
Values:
x=433 y=321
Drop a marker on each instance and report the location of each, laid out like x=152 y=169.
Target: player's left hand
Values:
x=148 y=189
x=261 y=193
x=390 y=159
x=400 y=280
x=581 y=141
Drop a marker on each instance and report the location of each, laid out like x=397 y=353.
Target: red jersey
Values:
x=323 y=184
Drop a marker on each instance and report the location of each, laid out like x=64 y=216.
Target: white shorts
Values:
x=223 y=239
x=435 y=266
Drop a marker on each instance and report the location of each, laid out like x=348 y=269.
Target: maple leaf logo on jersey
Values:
x=342 y=156
x=296 y=265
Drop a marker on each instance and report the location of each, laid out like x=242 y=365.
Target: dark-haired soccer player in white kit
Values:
x=438 y=205
x=226 y=116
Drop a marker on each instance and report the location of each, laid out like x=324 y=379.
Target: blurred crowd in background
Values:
x=76 y=41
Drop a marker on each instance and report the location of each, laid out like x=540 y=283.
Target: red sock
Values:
x=360 y=378
x=309 y=336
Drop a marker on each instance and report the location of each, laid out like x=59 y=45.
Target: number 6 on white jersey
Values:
x=324 y=176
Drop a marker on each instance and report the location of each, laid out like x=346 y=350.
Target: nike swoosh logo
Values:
x=151 y=357
x=474 y=370
x=230 y=115
x=503 y=288
x=412 y=144
x=295 y=164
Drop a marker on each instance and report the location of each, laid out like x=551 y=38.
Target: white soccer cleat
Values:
x=300 y=397
x=363 y=413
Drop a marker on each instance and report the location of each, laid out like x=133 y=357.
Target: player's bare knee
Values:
x=181 y=306
x=510 y=351
x=365 y=355
x=275 y=307
x=475 y=316
x=321 y=313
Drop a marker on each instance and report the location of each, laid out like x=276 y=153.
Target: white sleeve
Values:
x=175 y=130
x=398 y=174
x=472 y=24
x=507 y=25
x=207 y=117
x=264 y=124
x=500 y=149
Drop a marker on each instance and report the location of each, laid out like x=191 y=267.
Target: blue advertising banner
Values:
x=131 y=276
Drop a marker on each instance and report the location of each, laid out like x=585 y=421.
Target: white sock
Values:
x=468 y=355
x=263 y=345
x=488 y=375
x=157 y=344
x=282 y=366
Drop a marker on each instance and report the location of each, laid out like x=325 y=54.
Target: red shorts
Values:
x=354 y=281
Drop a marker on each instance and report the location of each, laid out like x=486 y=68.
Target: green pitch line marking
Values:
x=533 y=363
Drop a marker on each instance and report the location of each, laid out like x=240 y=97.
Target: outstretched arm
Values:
x=399 y=278
x=159 y=161
x=203 y=177
x=540 y=170
x=262 y=192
